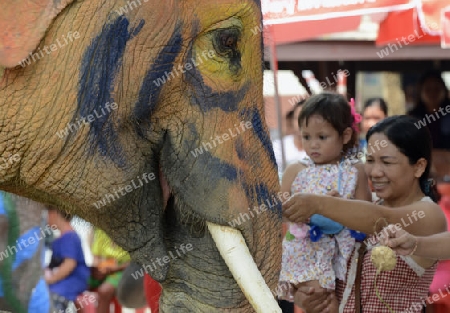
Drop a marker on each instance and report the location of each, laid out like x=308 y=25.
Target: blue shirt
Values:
x=68 y=246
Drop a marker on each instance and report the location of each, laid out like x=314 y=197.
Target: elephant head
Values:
x=146 y=118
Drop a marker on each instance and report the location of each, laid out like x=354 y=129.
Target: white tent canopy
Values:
x=288 y=84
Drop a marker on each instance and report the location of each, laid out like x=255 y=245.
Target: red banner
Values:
x=427 y=23
x=431 y=15
x=289 y=11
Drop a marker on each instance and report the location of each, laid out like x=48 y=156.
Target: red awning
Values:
x=297 y=20
x=427 y=23
x=304 y=30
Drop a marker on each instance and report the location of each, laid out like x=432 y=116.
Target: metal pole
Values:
x=274 y=68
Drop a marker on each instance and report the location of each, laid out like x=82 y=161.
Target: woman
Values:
x=398 y=165
x=375 y=110
x=432 y=108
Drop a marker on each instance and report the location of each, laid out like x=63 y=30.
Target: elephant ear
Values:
x=23 y=23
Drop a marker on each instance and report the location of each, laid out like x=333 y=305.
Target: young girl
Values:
x=315 y=254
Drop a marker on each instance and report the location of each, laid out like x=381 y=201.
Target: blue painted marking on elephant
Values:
x=99 y=68
x=263 y=196
x=252 y=114
x=240 y=149
x=219 y=167
x=156 y=77
x=207 y=99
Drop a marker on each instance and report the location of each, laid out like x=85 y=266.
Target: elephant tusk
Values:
x=234 y=251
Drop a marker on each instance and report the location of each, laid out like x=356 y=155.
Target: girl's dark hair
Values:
x=334 y=109
x=377 y=101
x=414 y=142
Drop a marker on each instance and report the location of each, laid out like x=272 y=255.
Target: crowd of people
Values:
x=333 y=223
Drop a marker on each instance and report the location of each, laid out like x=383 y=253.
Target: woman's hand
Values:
x=398 y=239
x=297 y=209
x=311 y=301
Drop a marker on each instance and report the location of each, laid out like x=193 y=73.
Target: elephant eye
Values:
x=225 y=42
x=228 y=40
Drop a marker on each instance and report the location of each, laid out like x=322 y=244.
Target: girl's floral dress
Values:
x=321 y=249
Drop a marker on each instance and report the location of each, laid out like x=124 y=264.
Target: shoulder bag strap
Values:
x=361 y=252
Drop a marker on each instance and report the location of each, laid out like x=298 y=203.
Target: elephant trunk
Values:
x=234 y=251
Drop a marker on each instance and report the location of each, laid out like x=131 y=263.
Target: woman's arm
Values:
x=436 y=246
x=420 y=218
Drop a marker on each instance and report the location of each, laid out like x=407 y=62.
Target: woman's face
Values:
x=388 y=169
x=432 y=93
x=371 y=116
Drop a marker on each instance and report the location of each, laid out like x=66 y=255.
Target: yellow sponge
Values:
x=383 y=258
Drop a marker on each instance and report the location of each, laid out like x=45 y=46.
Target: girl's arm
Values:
x=420 y=218
x=288 y=178
x=436 y=246
x=362 y=191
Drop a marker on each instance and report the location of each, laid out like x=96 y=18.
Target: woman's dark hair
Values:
x=377 y=101
x=420 y=108
x=414 y=142
x=334 y=109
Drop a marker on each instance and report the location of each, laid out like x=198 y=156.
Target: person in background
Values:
x=292 y=142
x=67 y=274
x=109 y=262
x=433 y=108
x=375 y=110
